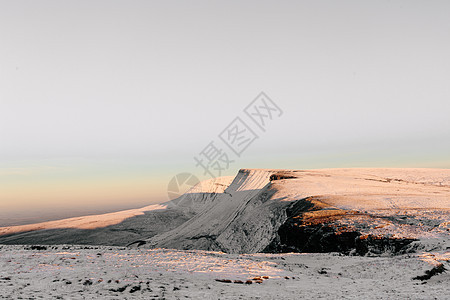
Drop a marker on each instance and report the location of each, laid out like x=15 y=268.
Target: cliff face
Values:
x=241 y=219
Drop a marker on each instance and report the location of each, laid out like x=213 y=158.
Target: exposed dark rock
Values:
x=279 y=176
x=430 y=273
x=137 y=243
x=224 y=280
x=87 y=282
x=36 y=248
x=120 y=289
x=135 y=288
x=321 y=235
x=379 y=245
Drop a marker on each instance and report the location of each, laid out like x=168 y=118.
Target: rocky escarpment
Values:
x=311 y=229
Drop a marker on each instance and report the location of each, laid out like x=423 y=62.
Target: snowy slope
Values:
x=86 y=222
x=241 y=204
x=119 y=228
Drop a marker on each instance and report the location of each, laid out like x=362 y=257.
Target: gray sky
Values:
x=144 y=86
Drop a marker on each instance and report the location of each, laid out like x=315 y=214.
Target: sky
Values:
x=103 y=102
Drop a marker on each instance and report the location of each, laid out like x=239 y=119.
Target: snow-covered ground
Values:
x=80 y=272
x=396 y=220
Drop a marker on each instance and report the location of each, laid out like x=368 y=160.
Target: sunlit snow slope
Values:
x=119 y=228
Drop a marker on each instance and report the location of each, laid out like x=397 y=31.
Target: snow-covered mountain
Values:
x=345 y=210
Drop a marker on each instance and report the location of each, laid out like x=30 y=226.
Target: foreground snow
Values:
x=80 y=272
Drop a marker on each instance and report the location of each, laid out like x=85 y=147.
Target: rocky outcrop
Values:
x=310 y=228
